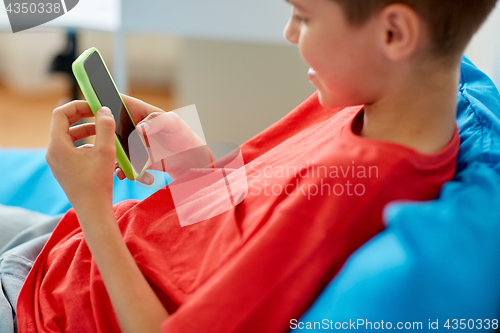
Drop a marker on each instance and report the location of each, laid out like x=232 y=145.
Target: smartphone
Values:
x=99 y=90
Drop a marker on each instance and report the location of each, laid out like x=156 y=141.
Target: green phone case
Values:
x=94 y=103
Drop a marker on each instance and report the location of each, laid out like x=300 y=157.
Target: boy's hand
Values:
x=169 y=136
x=85 y=173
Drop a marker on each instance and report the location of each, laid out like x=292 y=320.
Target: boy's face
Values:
x=345 y=66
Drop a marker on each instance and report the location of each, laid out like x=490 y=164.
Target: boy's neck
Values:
x=419 y=112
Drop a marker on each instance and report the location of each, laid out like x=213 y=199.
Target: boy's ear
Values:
x=401 y=31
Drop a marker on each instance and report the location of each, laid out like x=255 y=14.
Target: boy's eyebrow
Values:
x=294 y=3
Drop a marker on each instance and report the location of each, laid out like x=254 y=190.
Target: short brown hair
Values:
x=452 y=23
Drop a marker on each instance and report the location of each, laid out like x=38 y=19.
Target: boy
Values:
x=264 y=261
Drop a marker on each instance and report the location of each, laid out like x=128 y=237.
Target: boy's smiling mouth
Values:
x=311 y=73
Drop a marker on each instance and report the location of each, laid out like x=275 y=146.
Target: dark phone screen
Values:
x=108 y=96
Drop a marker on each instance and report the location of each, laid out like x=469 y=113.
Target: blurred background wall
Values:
x=241 y=82
x=484 y=49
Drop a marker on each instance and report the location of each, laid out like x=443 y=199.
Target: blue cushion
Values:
x=28 y=182
x=437 y=260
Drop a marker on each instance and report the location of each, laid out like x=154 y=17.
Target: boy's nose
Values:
x=291 y=32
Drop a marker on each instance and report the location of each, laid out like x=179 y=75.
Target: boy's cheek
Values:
x=307 y=49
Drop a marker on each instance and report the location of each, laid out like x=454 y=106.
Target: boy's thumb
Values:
x=166 y=122
x=105 y=129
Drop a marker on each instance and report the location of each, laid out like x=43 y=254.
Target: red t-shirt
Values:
x=316 y=192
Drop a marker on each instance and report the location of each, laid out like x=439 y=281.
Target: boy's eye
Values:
x=299 y=18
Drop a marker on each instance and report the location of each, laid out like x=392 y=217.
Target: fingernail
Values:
x=145 y=127
x=105 y=110
x=149 y=180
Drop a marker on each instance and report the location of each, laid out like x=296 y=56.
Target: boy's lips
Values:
x=311 y=74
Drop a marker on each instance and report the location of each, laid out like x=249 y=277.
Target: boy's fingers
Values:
x=139 y=109
x=83 y=131
x=105 y=130
x=65 y=116
x=167 y=122
x=150 y=124
x=120 y=174
x=147 y=178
